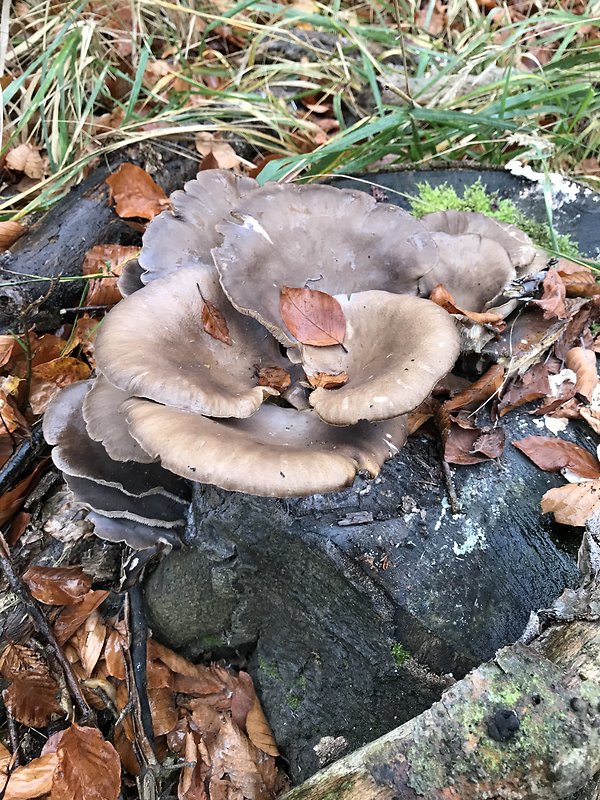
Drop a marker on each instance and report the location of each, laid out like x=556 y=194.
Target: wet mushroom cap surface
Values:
x=321 y=238
x=153 y=345
x=278 y=452
x=185 y=235
x=396 y=349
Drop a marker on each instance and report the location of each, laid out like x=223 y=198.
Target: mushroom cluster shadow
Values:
x=272 y=340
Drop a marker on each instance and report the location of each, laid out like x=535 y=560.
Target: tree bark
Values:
x=524 y=726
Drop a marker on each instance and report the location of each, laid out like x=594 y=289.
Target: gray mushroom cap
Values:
x=185 y=235
x=479 y=257
x=396 y=349
x=320 y=237
x=130 y=279
x=278 y=452
x=153 y=345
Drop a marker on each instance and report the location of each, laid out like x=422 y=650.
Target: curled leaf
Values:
x=443 y=298
x=553 y=455
x=313 y=317
x=10 y=231
x=574 y=503
x=325 y=380
x=275 y=377
x=552 y=300
x=583 y=364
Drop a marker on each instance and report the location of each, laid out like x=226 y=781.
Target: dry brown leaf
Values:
x=479 y=392
x=26 y=158
x=88 y=767
x=466 y=443
x=7 y=346
x=552 y=300
x=58 y=586
x=18 y=527
x=442 y=297
x=204 y=719
x=225 y=157
x=312 y=317
x=533 y=385
x=11 y=419
x=32 y=699
x=583 y=364
x=126 y=752
x=275 y=377
x=108 y=259
x=214 y=322
x=592 y=417
x=259 y=731
x=88 y=641
x=72 y=617
x=421 y=414
x=32 y=780
x=11 y=502
x=163 y=709
x=135 y=194
x=10 y=231
x=248 y=769
x=325 y=380
x=553 y=455
x=191 y=779
x=579 y=280
x=84 y=335
x=49 y=378
x=116 y=643
x=574 y=503
x=18 y=658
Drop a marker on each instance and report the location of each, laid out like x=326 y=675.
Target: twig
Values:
x=13 y=735
x=22 y=459
x=450 y=488
x=138 y=636
x=83 y=308
x=20 y=588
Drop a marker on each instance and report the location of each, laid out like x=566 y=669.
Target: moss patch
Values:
x=477 y=198
x=399 y=653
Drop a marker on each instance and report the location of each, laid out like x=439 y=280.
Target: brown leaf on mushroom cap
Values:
x=278 y=452
x=214 y=322
x=312 y=317
x=185 y=236
x=318 y=236
x=442 y=297
x=175 y=362
x=135 y=194
x=324 y=380
x=275 y=377
x=396 y=349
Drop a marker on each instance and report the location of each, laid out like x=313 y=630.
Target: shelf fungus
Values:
x=272 y=340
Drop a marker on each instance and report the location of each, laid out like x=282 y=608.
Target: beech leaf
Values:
x=88 y=767
x=276 y=377
x=324 y=380
x=110 y=260
x=72 y=617
x=58 y=586
x=442 y=297
x=473 y=396
x=213 y=321
x=553 y=455
x=574 y=503
x=32 y=780
x=553 y=298
x=135 y=194
x=312 y=317
x=583 y=364
x=10 y=231
x=32 y=699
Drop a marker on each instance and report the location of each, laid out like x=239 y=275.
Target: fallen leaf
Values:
x=324 y=380
x=48 y=379
x=72 y=617
x=84 y=335
x=163 y=709
x=116 y=643
x=259 y=731
x=312 y=317
x=11 y=502
x=88 y=641
x=479 y=392
x=583 y=364
x=421 y=414
x=11 y=419
x=592 y=417
x=442 y=297
x=275 y=377
x=225 y=157
x=33 y=699
x=554 y=455
x=18 y=527
x=19 y=658
x=108 y=259
x=533 y=385
x=552 y=300
x=135 y=194
x=213 y=321
x=574 y=503
x=10 y=231
x=466 y=443
x=58 y=586
x=33 y=779
x=26 y=158
x=578 y=280
x=191 y=778
x=126 y=752
x=88 y=767
x=7 y=345
x=249 y=770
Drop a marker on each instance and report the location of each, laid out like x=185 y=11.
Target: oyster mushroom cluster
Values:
x=272 y=341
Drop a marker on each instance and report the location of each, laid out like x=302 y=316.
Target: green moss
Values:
x=213 y=640
x=272 y=670
x=293 y=701
x=400 y=654
x=477 y=198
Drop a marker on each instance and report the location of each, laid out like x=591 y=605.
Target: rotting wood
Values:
x=525 y=725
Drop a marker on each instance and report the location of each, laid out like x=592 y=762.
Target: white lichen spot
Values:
x=474 y=538
x=555 y=424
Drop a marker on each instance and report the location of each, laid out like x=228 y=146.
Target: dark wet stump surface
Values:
x=349 y=629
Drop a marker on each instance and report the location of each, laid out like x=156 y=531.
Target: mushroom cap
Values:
x=319 y=236
x=278 y=452
x=397 y=347
x=132 y=533
x=153 y=345
x=130 y=279
x=77 y=455
x=185 y=235
x=105 y=423
x=479 y=257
